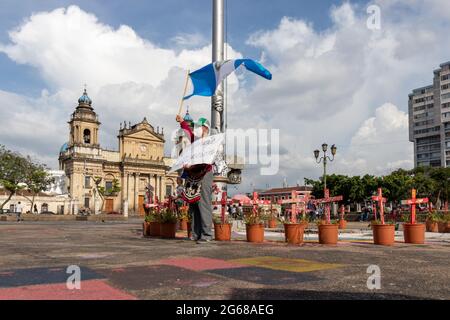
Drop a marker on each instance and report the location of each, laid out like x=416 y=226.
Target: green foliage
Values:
x=218 y=219
x=37 y=178
x=153 y=217
x=320 y=222
x=18 y=172
x=108 y=192
x=168 y=216
x=13 y=169
x=435 y=216
x=257 y=218
x=388 y=222
x=433 y=183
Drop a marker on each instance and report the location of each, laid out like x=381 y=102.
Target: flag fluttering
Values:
x=206 y=79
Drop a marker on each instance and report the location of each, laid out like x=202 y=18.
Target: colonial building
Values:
x=276 y=194
x=124 y=175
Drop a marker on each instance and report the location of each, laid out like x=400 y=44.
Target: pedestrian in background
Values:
x=19 y=210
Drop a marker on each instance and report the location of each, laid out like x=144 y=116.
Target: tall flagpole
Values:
x=217 y=101
x=218 y=55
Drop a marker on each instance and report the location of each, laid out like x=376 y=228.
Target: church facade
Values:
x=124 y=176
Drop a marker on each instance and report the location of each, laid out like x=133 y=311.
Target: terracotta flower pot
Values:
x=383 y=234
x=414 y=233
x=293 y=232
x=154 y=229
x=328 y=233
x=222 y=232
x=255 y=232
x=168 y=230
x=146 y=229
x=183 y=224
x=443 y=227
x=273 y=223
x=342 y=224
x=432 y=226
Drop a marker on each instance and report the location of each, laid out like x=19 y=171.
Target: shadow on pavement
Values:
x=289 y=294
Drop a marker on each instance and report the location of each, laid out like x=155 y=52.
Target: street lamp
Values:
x=325 y=159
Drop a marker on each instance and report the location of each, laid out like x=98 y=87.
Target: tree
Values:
x=37 y=179
x=12 y=172
x=397 y=185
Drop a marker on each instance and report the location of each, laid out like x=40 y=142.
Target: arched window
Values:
x=87 y=136
x=44 y=207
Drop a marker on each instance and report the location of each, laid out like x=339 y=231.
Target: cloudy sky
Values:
x=334 y=79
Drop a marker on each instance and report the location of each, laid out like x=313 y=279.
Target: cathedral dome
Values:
x=187 y=117
x=84 y=99
x=64 y=147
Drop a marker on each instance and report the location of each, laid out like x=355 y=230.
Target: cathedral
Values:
x=124 y=176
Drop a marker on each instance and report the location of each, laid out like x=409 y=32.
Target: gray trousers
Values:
x=202 y=210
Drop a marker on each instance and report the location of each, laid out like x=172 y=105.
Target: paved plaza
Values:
x=117 y=262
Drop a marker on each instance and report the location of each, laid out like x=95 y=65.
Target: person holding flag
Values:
x=198 y=185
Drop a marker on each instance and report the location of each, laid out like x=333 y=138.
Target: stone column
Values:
x=161 y=191
x=124 y=188
x=136 y=193
x=125 y=208
x=97 y=206
x=156 y=188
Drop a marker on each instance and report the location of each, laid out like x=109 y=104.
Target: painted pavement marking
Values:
x=285 y=264
x=90 y=290
x=265 y=276
x=157 y=276
x=200 y=263
x=36 y=276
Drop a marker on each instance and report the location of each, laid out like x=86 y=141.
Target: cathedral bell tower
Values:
x=84 y=124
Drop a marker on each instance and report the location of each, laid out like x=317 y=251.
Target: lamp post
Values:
x=325 y=159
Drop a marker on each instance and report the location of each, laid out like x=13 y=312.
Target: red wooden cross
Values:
x=381 y=201
x=413 y=202
x=223 y=205
x=327 y=200
x=294 y=202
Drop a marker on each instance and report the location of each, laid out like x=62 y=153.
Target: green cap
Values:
x=203 y=122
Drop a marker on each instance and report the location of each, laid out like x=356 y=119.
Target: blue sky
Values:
x=159 y=21
x=335 y=80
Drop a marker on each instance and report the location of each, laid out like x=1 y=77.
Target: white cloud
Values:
x=128 y=77
x=346 y=84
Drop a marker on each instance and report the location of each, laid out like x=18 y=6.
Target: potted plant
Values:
x=146 y=226
x=154 y=220
x=294 y=229
x=222 y=228
x=183 y=218
x=168 y=226
x=432 y=222
x=293 y=232
x=254 y=224
x=383 y=233
x=413 y=232
x=272 y=220
x=444 y=224
x=328 y=231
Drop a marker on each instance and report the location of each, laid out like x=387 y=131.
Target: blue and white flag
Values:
x=206 y=79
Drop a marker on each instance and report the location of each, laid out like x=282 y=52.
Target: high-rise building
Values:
x=429 y=120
